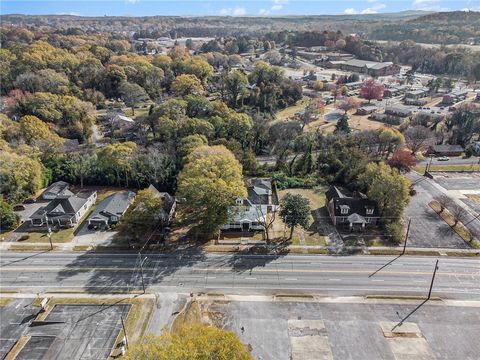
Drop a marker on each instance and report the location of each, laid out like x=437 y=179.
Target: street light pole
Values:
x=141 y=273
x=433 y=278
x=406 y=236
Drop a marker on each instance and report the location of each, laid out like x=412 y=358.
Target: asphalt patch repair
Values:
x=74 y=331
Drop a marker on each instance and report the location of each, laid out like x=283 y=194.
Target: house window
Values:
x=370 y=211
x=239 y=201
x=344 y=209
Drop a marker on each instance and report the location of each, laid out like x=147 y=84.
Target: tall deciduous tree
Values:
x=402 y=159
x=294 y=211
x=372 y=90
x=186 y=84
x=132 y=94
x=142 y=217
x=387 y=187
x=210 y=182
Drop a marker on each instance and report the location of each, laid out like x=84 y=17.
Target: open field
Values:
x=291 y=110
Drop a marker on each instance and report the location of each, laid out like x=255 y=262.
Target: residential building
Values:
x=64 y=211
x=59 y=188
x=250 y=214
x=372 y=68
x=400 y=111
x=445 y=150
x=169 y=204
x=454 y=97
x=367 y=109
x=416 y=94
x=122 y=122
x=354 y=211
x=111 y=210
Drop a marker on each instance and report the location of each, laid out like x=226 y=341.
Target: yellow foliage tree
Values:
x=210 y=182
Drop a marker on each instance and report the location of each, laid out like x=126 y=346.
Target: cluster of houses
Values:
x=348 y=211
x=65 y=209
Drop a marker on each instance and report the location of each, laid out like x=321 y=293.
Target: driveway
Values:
x=427 y=229
x=87 y=237
x=30 y=209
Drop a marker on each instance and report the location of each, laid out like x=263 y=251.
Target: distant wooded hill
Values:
x=421 y=26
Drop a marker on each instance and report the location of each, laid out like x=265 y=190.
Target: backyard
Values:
x=312 y=236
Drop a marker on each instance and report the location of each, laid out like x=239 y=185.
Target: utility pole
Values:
x=406 y=236
x=49 y=233
x=427 y=168
x=124 y=332
x=141 y=273
x=433 y=278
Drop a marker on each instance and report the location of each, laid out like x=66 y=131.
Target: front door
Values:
x=245 y=226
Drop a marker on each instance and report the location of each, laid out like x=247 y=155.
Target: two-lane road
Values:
x=243 y=274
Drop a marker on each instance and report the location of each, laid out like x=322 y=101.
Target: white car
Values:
x=443 y=158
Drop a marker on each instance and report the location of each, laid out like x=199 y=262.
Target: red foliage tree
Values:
x=402 y=159
x=372 y=90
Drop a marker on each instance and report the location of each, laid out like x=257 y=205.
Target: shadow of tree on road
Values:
x=111 y=274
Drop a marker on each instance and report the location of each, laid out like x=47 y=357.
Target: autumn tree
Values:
x=194 y=342
x=234 y=87
x=294 y=211
x=35 y=132
x=21 y=175
x=142 y=217
x=116 y=160
x=403 y=160
x=372 y=90
x=210 y=182
x=132 y=94
x=186 y=84
x=390 y=190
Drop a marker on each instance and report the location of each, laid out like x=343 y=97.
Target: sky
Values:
x=227 y=7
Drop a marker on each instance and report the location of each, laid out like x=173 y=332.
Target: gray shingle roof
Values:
x=114 y=205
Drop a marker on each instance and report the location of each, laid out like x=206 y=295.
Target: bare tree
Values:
x=444 y=201
x=267 y=221
x=458 y=213
x=418 y=138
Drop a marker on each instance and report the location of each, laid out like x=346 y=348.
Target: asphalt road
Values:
x=239 y=274
x=452 y=161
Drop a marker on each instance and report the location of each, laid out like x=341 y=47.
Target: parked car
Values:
x=30 y=201
x=19 y=207
x=443 y=158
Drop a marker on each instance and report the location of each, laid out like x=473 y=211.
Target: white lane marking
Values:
x=250 y=278
x=291 y=279
x=335 y=279
x=378 y=280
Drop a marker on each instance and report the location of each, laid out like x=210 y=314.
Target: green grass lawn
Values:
x=61 y=236
x=316 y=197
x=291 y=110
x=138 y=112
x=454 y=167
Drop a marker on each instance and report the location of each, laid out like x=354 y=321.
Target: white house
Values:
x=250 y=214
